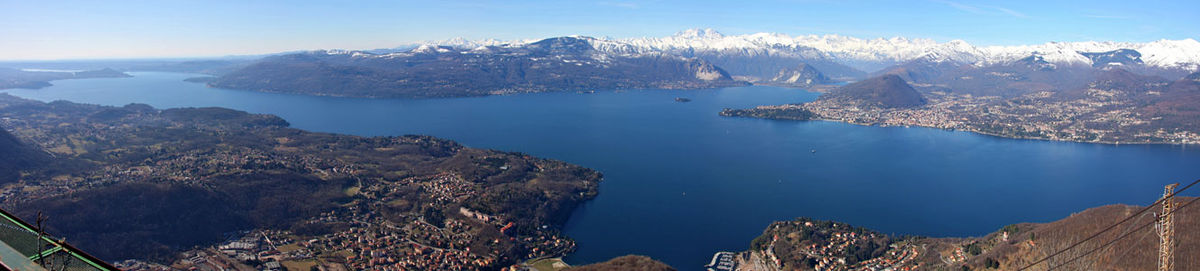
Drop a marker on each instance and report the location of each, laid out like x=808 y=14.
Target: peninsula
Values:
x=1118 y=107
x=193 y=176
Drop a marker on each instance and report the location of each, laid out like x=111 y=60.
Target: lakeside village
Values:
x=371 y=242
x=384 y=226
x=366 y=245
x=1098 y=119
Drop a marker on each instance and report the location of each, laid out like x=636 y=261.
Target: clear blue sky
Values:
x=35 y=29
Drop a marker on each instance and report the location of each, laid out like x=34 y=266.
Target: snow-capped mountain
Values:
x=801 y=76
x=699 y=58
x=474 y=69
x=874 y=54
x=1166 y=54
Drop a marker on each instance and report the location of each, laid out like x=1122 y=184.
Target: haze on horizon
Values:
x=76 y=29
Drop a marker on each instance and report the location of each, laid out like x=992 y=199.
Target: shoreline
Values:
x=975 y=131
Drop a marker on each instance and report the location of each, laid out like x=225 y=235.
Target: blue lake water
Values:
x=682 y=182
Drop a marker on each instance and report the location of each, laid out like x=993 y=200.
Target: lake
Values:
x=682 y=182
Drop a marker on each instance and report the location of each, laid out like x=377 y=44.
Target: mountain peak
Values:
x=430 y=49
x=564 y=45
x=1194 y=77
x=697 y=33
x=802 y=75
x=959 y=43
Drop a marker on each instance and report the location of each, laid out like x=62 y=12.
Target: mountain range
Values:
x=701 y=58
x=554 y=64
x=869 y=55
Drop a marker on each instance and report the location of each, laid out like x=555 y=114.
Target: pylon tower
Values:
x=1166 y=230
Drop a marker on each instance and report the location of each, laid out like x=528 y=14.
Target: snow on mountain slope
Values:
x=872 y=53
x=1054 y=52
x=1171 y=54
x=895 y=49
x=1183 y=54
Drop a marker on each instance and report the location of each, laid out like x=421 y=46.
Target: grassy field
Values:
x=299 y=265
x=351 y=191
x=289 y=248
x=551 y=264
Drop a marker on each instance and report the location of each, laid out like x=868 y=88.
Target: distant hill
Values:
x=1173 y=104
x=802 y=75
x=17 y=156
x=555 y=64
x=15 y=78
x=1007 y=79
x=803 y=244
x=1128 y=85
x=765 y=66
x=1177 y=104
x=210 y=66
x=887 y=91
x=207 y=66
x=1027 y=75
x=924 y=70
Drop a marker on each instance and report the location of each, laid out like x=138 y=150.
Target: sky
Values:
x=86 y=29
